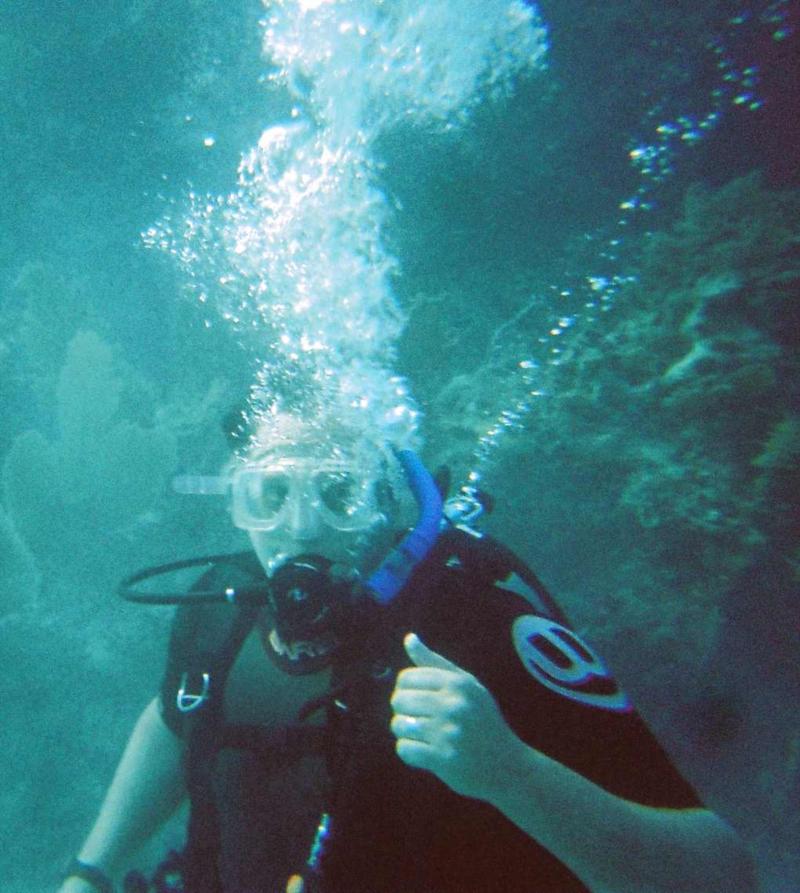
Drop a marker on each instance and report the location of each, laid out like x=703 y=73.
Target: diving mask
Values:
x=265 y=494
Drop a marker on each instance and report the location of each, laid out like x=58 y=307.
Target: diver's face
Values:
x=303 y=535
x=295 y=502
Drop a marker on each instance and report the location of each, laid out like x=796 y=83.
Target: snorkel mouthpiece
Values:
x=399 y=564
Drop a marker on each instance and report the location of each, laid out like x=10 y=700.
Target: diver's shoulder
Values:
x=465 y=562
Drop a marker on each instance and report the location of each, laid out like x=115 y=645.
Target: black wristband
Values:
x=91 y=874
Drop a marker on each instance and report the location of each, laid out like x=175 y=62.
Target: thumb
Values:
x=422 y=656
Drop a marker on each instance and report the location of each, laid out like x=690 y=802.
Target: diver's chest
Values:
x=258 y=692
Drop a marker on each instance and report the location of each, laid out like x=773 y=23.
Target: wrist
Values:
x=519 y=764
x=92 y=876
x=510 y=768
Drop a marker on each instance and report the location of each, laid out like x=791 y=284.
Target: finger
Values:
x=415 y=753
x=422 y=656
x=411 y=728
x=423 y=678
x=416 y=703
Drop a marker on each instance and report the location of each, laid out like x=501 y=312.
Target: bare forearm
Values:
x=616 y=846
x=146 y=789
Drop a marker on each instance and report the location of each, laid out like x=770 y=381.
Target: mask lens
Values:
x=265 y=495
x=272 y=493
x=259 y=498
x=340 y=493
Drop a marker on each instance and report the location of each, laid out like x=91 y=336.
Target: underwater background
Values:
x=596 y=264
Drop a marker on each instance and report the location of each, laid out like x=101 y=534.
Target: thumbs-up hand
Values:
x=447 y=722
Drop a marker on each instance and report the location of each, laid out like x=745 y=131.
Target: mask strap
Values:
x=200 y=485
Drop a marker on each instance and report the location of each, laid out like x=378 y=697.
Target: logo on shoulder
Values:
x=564 y=663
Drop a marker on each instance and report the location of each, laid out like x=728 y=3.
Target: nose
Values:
x=303 y=520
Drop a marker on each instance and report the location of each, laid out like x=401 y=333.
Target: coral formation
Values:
x=670 y=419
x=100 y=473
x=86 y=456
x=661 y=456
x=84 y=500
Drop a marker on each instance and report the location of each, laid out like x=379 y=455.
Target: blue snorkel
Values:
x=397 y=567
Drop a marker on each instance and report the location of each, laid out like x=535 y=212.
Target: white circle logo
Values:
x=561 y=661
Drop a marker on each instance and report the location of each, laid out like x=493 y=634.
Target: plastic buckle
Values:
x=188 y=701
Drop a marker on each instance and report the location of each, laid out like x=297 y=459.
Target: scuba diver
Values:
x=379 y=699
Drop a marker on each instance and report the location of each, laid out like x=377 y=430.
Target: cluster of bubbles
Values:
x=654 y=157
x=361 y=66
x=293 y=259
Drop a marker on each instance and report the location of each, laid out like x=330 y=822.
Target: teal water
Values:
x=588 y=285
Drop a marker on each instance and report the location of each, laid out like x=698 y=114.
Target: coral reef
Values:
x=669 y=418
x=661 y=457
x=85 y=500
x=703 y=353
x=93 y=436
x=97 y=476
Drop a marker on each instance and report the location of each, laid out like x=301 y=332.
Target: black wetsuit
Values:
x=400 y=830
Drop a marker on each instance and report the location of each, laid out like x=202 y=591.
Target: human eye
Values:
x=272 y=491
x=338 y=491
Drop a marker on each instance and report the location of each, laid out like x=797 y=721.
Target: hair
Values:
x=284 y=432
